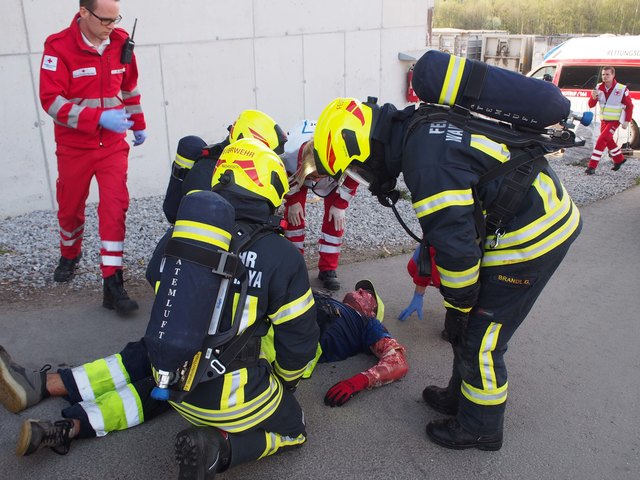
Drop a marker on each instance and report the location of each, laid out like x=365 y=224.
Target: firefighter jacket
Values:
x=77 y=84
x=441 y=165
x=279 y=296
x=614 y=102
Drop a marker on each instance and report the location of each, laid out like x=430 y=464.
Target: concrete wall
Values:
x=201 y=62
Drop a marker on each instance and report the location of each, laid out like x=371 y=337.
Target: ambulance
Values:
x=575 y=66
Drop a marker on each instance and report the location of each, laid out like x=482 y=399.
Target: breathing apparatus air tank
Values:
x=445 y=79
x=188 y=299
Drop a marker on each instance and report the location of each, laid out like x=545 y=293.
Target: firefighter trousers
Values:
x=76 y=169
x=114 y=393
x=507 y=294
x=606 y=140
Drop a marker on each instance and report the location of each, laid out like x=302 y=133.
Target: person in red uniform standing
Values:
x=615 y=107
x=93 y=99
x=300 y=164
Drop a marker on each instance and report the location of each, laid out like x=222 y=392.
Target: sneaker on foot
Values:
x=329 y=280
x=66 y=268
x=590 y=171
x=201 y=452
x=20 y=388
x=37 y=434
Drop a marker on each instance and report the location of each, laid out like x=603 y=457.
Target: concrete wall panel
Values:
x=362 y=64
x=407 y=13
x=14 y=34
x=323 y=71
x=294 y=17
x=24 y=181
x=44 y=17
x=280 y=78
x=394 y=73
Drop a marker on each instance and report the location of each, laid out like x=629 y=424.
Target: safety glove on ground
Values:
x=342 y=391
x=116 y=120
x=338 y=216
x=295 y=214
x=139 y=137
x=455 y=324
x=414 y=306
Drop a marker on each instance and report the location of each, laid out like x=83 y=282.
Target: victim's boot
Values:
x=115 y=296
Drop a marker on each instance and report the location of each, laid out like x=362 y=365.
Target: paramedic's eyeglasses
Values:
x=105 y=21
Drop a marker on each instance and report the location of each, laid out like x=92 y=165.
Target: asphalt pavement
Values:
x=574 y=381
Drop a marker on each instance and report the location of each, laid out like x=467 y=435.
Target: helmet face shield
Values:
x=357 y=173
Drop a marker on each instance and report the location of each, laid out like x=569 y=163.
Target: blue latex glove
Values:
x=116 y=120
x=139 y=137
x=414 y=306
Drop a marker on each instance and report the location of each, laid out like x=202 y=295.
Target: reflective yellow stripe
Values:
x=485 y=357
x=288 y=375
x=463 y=310
x=452 y=80
x=459 y=279
x=439 y=201
x=555 y=209
x=184 y=162
x=499 y=151
x=308 y=371
x=100 y=376
x=237 y=419
x=502 y=257
x=202 y=232
x=274 y=442
x=293 y=309
x=485 y=397
x=233 y=389
x=249 y=313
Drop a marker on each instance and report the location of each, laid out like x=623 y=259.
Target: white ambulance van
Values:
x=575 y=66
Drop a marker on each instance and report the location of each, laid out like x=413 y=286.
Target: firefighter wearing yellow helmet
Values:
x=193 y=165
x=489 y=284
x=246 y=413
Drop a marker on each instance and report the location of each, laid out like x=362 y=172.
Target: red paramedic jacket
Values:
x=77 y=84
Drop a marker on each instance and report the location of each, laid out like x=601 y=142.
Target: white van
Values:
x=575 y=66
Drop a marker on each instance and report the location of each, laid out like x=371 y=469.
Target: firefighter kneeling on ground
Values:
x=488 y=288
x=247 y=413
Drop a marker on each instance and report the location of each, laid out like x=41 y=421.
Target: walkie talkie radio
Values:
x=127 y=50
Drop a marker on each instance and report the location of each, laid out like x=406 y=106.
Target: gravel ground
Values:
x=29 y=243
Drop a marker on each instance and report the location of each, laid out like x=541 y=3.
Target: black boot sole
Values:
x=485 y=446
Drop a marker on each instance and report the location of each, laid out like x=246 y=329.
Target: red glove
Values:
x=342 y=391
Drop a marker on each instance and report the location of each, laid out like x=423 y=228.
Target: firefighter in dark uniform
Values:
x=192 y=169
x=489 y=287
x=249 y=412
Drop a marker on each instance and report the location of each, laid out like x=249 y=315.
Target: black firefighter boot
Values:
x=115 y=296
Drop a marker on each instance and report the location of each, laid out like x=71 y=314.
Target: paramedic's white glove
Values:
x=624 y=125
x=295 y=214
x=339 y=217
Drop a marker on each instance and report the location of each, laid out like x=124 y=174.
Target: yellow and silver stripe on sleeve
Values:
x=288 y=375
x=496 y=150
x=184 y=162
x=452 y=80
x=293 y=309
x=439 y=201
x=202 y=232
x=459 y=279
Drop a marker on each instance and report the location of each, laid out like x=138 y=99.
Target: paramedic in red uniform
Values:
x=615 y=105
x=93 y=99
x=300 y=164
